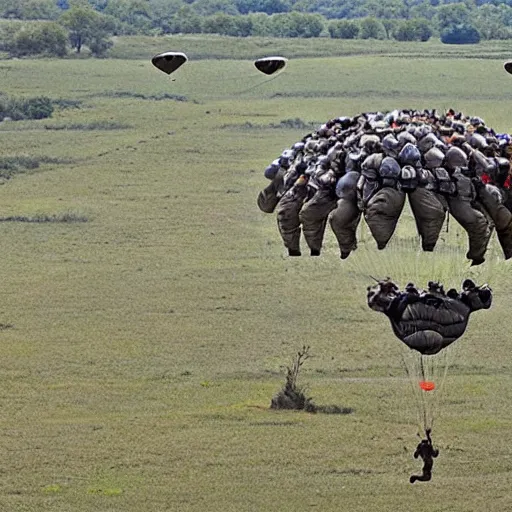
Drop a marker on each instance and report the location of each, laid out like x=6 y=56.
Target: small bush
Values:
x=11 y=165
x=343 y=29
x=296 y=124
x=65 y=104
x=67 y=217
x=94 y=125
x=460 y=34
x=20 y=109
x=139 y=96
x=17 y=163
x=292 y=396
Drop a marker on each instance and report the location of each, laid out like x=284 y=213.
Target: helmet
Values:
x=433 y=158
x=455 y=157
x=405 y=137
x=410 y=155
x=390 y=145
x=271 y=170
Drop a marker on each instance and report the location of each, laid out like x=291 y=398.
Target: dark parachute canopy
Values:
x=439 y=163
x=270 y=65
x=508 y=66
x=169 y=62
x=429 y=320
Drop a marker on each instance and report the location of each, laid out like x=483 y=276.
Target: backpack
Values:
x=445 y=185
x=409 y=179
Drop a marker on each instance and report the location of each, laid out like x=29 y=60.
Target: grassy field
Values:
x=149 y=307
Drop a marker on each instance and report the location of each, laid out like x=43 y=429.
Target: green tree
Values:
x=413 y=30
x=162 y=11
x=45 y=38
x=452 y=14
x=186 y=21
x=389 y=26
x=135 y=13
x=266 y=6
x=460 y=34
x=210 y=7
x=424 y=9
x=295 y=24
x=343 y=29
x=372 y=28
x=8 y=33
x=389 y=9
x=261 y=25
x=224 y=24
x=494 y=22
x=86 y=27
x=29 y=9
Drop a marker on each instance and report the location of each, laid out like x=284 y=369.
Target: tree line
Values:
x=72 y=24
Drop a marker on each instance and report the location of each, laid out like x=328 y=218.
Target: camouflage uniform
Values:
x=345 y=217
x=315 y=211
x=288 y=221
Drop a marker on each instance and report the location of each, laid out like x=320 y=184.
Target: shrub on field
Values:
x=19 y=109
x=45 y=38
x=292 y=396
x=413 y=30
x=343 y=29
x=65 y=103
x=11 y=165
x=66 y=217
x=138 y=95
x=460 y=34
x=94 y=125
x=296 y=124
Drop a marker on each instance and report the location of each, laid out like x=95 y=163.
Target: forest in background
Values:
x=56 y=27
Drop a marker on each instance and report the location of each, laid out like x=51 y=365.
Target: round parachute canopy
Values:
x=168 y=62
x=270 y=65
x=508 y=66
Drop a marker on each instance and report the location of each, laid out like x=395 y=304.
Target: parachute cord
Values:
x=258 y=85
x=423 y=398
x=447 y=221
x=421 y=410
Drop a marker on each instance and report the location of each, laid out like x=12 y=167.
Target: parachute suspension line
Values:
x=426 y=375
x=258 y=84
x=427 y=407
x=413 y=381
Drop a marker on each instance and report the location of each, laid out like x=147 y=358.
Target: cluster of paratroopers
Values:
x=367 y=165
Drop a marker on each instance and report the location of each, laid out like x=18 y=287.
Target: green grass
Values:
x=140 y=350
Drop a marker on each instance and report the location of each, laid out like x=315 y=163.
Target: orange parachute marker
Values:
x=427 y=385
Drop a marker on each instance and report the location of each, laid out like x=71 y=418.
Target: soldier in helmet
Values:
x=315 y=211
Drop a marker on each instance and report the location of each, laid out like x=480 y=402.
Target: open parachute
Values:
x=169 y=62
x=371 y=165
x=270 y=65
x=427 y=322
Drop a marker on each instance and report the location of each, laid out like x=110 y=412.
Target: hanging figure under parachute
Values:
x=427 y=321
